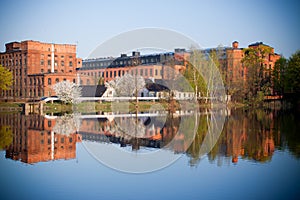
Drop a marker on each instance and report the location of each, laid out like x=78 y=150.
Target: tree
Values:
x=6 y=137
x=6 y=78
x=293 y=73
x=68 y=92
x=193 y=75
x=67 y=124
x=253 y=61
x=126 y=85
x=278 y=75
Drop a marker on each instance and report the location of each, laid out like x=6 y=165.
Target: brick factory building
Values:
x=36 y=66
x=168 y=65
x=153 y=66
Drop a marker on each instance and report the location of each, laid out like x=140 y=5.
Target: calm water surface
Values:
x=255 y=156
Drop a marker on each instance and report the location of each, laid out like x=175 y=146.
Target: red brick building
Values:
x=36 y=66
x=153 y=66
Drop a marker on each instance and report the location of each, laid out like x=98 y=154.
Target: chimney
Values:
x=136 y=53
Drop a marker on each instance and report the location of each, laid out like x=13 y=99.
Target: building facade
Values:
x=36 y=66
x=168 y=65
x=153 y=66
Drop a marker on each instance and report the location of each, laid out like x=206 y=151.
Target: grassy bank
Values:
x=142 y=106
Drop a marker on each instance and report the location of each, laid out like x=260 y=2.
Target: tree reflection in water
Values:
x=247 y=134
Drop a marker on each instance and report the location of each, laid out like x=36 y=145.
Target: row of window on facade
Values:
x=112 y=74
x=57 y=80
x=62 y=63
x=12 y=62
x=62 y=56
x=55 y=71
x=121 y=62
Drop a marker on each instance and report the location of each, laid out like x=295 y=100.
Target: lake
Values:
x=206 y=154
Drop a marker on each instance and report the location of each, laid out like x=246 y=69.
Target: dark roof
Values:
x=156 y=87
x=257 y=44
x=93 y=90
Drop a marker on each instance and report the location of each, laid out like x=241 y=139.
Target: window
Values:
x=151 y=72
x=42 y=62
x=62 y=63
x=49 y=62
x=156 y=72
x=141 y=72
x=65 y=79
x=49 y=123
x=88 y=81
x=146 y=72
x=74 y=81
x=62 y=140
x=71 y=64
x=49 y=81
x=56 y=80
x=115 y=73
x=42 y=70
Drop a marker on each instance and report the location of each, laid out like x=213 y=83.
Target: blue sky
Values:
x=210 y=23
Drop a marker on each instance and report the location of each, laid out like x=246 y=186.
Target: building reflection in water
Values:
x=34 y=141
x=249 y=135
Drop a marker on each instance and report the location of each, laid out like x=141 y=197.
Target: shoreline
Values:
x=6 y=107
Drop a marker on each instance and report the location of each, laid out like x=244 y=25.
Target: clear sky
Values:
x=210 y=23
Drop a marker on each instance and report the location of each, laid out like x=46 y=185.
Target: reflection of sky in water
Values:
x=262 y=172
x=84 y=177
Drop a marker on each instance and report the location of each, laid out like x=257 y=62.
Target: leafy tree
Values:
x=255 y=79
x=193 y=75
x=6 y=78
x=68 y=92
x=6 y=137
x=293 y=73
x=278 y=75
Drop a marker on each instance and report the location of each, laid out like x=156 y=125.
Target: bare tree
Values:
x=68 y=92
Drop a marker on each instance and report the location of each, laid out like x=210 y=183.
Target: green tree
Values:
x=256 y=80
x=193 y=72
x=278 y=75
x=293 y=73
x=6 y=78
x=6 y=137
